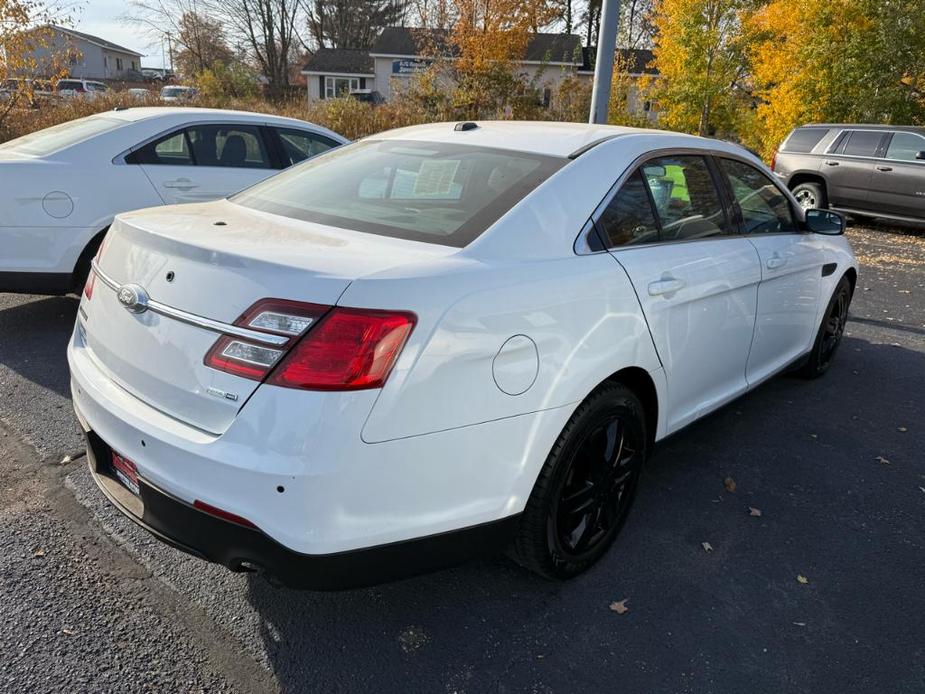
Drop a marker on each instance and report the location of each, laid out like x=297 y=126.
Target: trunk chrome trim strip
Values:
x=193 y=319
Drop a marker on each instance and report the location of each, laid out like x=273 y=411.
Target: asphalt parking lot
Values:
x=813 y=581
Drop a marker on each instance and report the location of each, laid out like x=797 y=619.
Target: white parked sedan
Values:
x=439 y=341
x=61 y=187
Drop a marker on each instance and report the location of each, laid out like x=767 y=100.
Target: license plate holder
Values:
x=126 y=472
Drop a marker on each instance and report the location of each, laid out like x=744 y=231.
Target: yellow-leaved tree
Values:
x=700 y=56
x=860 y=61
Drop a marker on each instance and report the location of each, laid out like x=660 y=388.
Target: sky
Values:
x=103 y=18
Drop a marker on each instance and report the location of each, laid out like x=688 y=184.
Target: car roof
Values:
x=538 y=137
x=865 y=126
x=141 y=113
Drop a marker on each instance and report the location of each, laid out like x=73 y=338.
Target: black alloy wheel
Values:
x=586 y=487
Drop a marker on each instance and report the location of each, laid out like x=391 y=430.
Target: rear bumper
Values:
x=239 y=548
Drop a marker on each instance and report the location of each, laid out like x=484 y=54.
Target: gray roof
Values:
x=636 y=60
x=351 y=61
x=412 y=42
x=102 y=43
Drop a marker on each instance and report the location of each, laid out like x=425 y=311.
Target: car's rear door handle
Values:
x=180 y=184
x=884 y=168
x=831 y=163
x=666 y=285
x=775 y=261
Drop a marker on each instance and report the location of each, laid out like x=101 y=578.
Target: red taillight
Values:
x=224 y=515
x=91 y=277
x=350 y=349
x=88 y=285
x=773 y=160
x=250 y=359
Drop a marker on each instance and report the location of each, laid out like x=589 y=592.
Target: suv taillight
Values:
x=328 y=348
x=91 y=276
x=773 y=160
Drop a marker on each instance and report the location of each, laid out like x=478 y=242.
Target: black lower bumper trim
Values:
x=54 y=283
x=180 y=525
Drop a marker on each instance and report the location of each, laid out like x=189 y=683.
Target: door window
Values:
x=904 y=146
x=765 y=210
x=686 y=201
x=628 y=218
x=236 y=146
x=299 y=145
x=863 y=143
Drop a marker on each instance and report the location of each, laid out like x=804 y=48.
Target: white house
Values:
x=86 y=56
x=399 y=53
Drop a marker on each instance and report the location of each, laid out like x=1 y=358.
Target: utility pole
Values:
x=603 y=62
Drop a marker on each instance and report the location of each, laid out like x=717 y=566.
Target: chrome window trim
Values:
x=581 y=246
x=193 y=319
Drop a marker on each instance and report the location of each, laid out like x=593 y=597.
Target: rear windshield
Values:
x=804 y=139
x=58 y=137
x=176 y=91
x=423 y=191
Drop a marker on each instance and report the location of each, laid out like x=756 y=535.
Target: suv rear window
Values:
x=422 y=191
x=804 y=139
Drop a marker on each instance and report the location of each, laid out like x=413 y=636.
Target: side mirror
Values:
x=920 y=155
x=825 y=222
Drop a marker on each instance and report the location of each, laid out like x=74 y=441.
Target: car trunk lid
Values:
x=213 y=261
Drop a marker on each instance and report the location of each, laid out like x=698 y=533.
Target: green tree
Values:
x=702 y=65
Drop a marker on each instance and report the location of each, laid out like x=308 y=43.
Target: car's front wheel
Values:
x=830 y=332
x=586 y=487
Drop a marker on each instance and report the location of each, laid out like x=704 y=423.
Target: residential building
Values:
x=86 y=56
x=399 y=53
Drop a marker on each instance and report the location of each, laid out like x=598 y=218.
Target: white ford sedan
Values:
x=441 y=341
x=61 y=187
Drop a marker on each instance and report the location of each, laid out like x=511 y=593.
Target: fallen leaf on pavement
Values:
x=883 y=461
x=802 y=579
x=752 y=511
x=67 y=632
x=620 y=606
x=39 y=552
x=800 y=624
x=902 y=429
x=730 y=484
x=707 y=547
x=65 y=460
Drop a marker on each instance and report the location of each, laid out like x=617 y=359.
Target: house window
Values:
x=133 y=66
x=119 y=64
x=340 y=86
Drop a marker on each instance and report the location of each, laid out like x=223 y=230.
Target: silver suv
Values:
x=864 y=170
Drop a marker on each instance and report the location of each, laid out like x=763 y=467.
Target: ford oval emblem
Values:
x=133 y=297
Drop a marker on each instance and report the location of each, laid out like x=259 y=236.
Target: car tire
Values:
x=82 y=268
x=586 y=486
x=810 y=196
x=830 y=333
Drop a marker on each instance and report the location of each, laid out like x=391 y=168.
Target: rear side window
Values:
x=804 y=139
x=686 y=201
x=863 y=143
x=434 y=192
x=765 y=210
x=299 y=145
x=170 y=150
x=628 y=218
x=905 y=146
